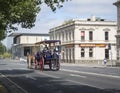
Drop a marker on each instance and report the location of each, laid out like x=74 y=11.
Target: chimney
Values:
x=93 y=18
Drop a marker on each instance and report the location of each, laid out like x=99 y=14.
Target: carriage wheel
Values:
x=50 y=65
x=58 y=66
x=55 y=64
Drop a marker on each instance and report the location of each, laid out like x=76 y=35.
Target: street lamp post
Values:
x=110 y=50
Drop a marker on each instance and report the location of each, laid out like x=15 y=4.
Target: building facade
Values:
x=86 y=41
x=118 y=31
x=24 y=43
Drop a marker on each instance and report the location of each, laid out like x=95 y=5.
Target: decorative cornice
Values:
x=90 y=29
x=106 y=29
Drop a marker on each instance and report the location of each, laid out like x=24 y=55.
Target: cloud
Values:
x=47 y=19
x=90 y=7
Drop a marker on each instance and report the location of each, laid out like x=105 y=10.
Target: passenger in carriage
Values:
x=47 y=52
x=55 y=54
x=46 y=48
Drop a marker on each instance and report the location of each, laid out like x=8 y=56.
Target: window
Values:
x=82 y=52
x=90 y=52
x=90 y=35
x=66 y=36
x=70 y=55
x=107 y=53
x=106 y=35
x=69 y=35
x=63 y=57
x=63 y=36
x=67 y=55
x=73 y=35
x=73 y=54
x=26 y=50
x=82 y=35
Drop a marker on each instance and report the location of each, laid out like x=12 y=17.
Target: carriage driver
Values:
x=45 y=48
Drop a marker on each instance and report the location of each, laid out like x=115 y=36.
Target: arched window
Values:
x=82 y=35
x=90 y=52
x=106 y=35
x=82 y=52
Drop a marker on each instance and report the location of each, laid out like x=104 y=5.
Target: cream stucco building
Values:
x=118 y=31
x=24 y=43
x=86 y=41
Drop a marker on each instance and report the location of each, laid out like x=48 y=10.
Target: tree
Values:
x=2 y=48
x=22 y=12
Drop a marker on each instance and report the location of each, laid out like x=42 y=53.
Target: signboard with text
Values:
x=92 y=45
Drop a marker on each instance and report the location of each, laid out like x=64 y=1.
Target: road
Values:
x=70 y=79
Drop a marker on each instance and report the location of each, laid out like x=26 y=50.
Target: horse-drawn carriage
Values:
x=48 y=55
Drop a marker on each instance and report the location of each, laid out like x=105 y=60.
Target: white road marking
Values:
x=75 y=75
x=90 y=73
x=42 y=73
x=9 y=69
x=27 y=76
x=24 y=91
x=76 y=82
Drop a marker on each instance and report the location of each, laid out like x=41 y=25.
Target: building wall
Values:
x=118 y=32
x=70 y=36
x=30 y=39
x=118 y=16
x=26 y=43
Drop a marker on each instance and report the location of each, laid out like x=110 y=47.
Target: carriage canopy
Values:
x=48 y=42
x=52 y=44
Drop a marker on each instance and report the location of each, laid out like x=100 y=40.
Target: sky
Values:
x=74 y=9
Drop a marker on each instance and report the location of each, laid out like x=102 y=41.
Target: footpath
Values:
x=3 y=89
x=90 y=65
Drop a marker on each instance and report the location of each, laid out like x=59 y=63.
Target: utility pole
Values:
x=110 y=50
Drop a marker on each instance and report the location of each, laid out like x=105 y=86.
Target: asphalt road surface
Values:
x=70 y=79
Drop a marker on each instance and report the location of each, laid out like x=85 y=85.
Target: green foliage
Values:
x=5 y=55
x=2 y=34
x=53 y=4
x=22 y=12
x=2 y=48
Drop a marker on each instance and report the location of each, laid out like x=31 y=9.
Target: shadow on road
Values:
x=44 y=84
x=16 y=71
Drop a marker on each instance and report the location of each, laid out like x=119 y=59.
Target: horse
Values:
x=30 y=60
